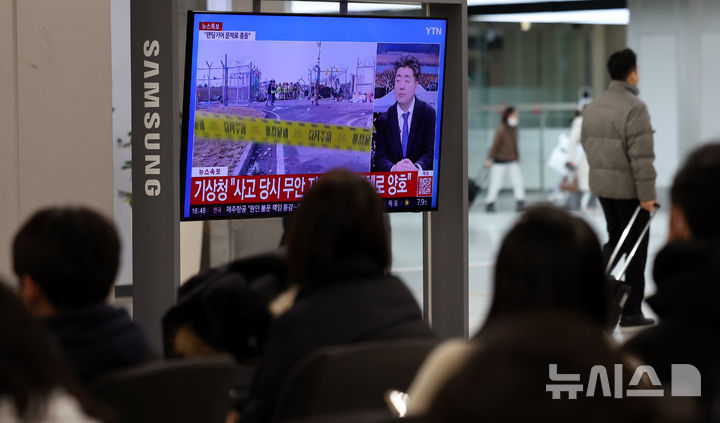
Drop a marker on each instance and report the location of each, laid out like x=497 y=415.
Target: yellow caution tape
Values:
x=236 y=128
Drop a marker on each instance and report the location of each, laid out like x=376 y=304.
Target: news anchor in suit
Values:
x=405 y=134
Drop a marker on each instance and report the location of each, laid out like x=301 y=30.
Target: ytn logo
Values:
x=433 y=30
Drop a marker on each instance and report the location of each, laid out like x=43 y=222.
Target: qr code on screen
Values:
x=425 y=186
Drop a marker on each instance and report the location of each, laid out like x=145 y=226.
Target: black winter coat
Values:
x=352 y=309
x=688 y=287
x=98 y=339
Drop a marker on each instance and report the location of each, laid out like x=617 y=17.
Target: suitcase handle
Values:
x=624 y=235
x=621 y=241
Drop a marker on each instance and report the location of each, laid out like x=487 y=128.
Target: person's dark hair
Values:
x=695 y=191
x=506 y=113
x=621 y=64
x=71 y=253
x=339 y=224
x=550 y=260
x=227 y=306
x=409 y=62
x=506 y=377
x=32 y=366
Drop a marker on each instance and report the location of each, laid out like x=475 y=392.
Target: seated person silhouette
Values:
x=66 y=259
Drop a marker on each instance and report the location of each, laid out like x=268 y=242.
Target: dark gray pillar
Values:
x=155 y=151
x=446 y=230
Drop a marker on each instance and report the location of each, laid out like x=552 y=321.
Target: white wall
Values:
x=710 y=85
x=55 y=111
x=10 y=206
x=658 y=68
x=120 y=41
x=678 y=47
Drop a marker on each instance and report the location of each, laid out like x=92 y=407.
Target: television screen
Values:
x=274 y=101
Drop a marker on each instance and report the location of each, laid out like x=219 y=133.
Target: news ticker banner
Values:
x=214 y=194
x=239 y=128
x=215 y=187
x=279 y=209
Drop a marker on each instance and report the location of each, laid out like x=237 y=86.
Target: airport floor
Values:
x=485 y=235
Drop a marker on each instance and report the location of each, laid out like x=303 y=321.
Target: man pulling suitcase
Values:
x=618 y=142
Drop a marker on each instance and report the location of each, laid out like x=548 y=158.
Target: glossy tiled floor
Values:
x=486 y=232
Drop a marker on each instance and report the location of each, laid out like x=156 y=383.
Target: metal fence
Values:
x=226 y=85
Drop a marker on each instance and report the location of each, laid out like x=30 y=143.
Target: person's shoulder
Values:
x=651 y=340
x=598 y=108
x=444 y=362
x=503 y=130
x=598 y=101
x=424 y=109
x=424 y=106
x=381 y=120
x=625 y=96
x=637 y=104
x=386 y=115
x=349 y=290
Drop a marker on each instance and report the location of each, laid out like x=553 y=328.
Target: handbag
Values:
x=559 y=155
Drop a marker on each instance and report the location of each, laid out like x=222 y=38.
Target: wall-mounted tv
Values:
x=272 y=102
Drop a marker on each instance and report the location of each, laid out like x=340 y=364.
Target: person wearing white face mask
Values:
x=503 y=155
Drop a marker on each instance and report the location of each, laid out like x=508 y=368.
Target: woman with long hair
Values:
x=36 y=382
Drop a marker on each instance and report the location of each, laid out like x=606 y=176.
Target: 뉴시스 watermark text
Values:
x=685 y=382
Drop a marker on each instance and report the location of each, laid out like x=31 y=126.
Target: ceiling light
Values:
x=597 y=17
x=334 y=7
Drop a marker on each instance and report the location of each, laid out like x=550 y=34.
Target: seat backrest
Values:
x=350 y=377
x=178 y=390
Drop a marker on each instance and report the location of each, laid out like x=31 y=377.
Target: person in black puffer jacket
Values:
x=686 y=274
x=339 y=257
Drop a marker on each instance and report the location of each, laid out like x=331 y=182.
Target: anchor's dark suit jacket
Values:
x=421 y=138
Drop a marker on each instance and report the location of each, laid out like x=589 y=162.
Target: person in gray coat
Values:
x=618 y=140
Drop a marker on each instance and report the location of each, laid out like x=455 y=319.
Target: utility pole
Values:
x=225 y=81
x=317 y=78
x=209 y=65
x=318 y=64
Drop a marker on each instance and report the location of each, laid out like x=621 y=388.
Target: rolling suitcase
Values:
x=476 y=186
x=619 y=290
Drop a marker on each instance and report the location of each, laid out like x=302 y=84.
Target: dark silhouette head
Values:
x=621 y=64
x=339 y=225
x=70 y=253
x=696 y=194
x=550 y=260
